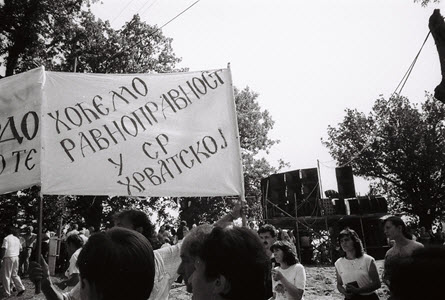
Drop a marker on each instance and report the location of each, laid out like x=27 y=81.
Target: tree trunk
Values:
x=426 y=220
x=11 y=63
x=93 y=213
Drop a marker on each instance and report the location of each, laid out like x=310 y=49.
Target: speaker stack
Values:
x=339 y=206
x=345 y=182
x=365 y=205
x=309 y=184
x=352 y=207
x=328 y=207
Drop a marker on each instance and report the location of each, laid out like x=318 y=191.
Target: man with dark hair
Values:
x=117 y=264
x=9 y=253
x=193 y=241
x=167 y=259
x=231 y=265
x=74 y=244
x=268 y=236
x=191 y=246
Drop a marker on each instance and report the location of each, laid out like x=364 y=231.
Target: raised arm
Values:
x=236 y=213
x=40 y=272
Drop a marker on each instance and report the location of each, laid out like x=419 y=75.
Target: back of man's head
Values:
x=13 y=230
x=237 y=254
x=138 y=219
x=75 y=240
x=119 y=263
x=195 y=238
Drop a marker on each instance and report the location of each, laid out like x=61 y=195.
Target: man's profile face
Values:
x=187 y=267
x=267 y=240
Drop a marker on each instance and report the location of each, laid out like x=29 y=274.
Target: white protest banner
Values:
x=140 y=134
x=20 y=102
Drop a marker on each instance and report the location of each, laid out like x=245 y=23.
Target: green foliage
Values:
x=401 y=146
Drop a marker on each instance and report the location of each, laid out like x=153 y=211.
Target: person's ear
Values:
x=221 y=285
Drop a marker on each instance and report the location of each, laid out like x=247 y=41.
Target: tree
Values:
x=136 y=48
x=400 y=146
x=32 y=29
x=63 y=34
x=22 y=208
x=254 y=125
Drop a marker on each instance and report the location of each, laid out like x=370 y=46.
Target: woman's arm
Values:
x=340 y=287
x=294 y=291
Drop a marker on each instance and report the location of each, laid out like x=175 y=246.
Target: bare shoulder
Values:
x=390 y=252
x=416 y=245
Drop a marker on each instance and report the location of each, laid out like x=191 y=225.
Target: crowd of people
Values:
x=218 y=261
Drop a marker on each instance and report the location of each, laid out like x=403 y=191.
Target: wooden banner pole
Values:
x=39 y=239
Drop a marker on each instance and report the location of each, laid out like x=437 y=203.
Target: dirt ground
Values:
x=321 y=285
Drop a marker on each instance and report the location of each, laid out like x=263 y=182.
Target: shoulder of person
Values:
x=389 y=252
x=339 y=260
x=298 y=267
x=367 y=256
x=416 y=245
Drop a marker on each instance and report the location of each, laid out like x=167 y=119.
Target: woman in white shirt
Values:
x=289 y=279
x=357 y=276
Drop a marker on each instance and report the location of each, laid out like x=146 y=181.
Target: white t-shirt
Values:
x=295 y=274
x=72 y=269
x=12 y=246
x=167 y=261
x=351 y=270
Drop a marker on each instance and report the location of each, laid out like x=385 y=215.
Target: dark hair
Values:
x=289 y=255
x=120 y=263
x=195 y=238
x=75 y=240
x=268 y=228
x=237 y=254
x=397 y=221
x=13 y=230
x=428 y=265
x=358 y=246
x=138 y=219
